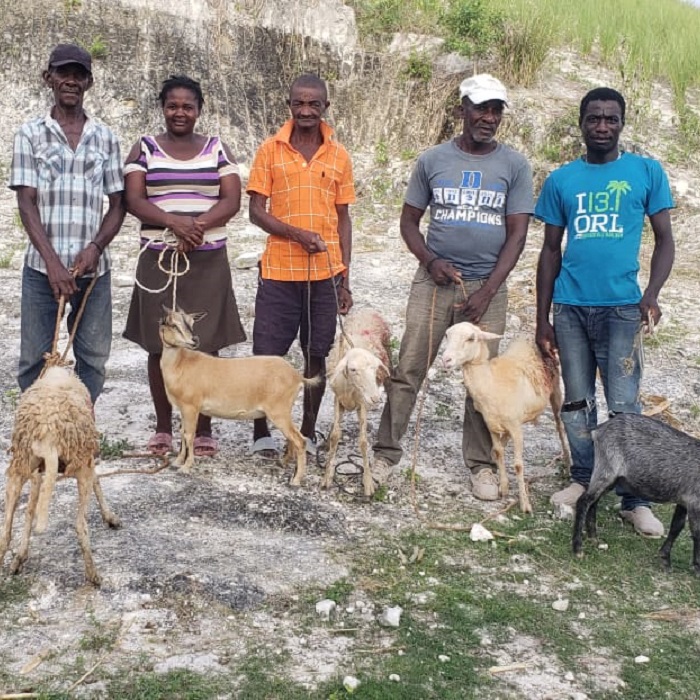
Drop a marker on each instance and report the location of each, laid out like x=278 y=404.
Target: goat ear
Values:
x=383 y=373
x=198 y=316
x=340 y=368
x=487 y=335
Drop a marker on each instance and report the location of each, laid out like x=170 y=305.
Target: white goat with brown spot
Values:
x=54 y=425
x=358 y=366
x=508 y=390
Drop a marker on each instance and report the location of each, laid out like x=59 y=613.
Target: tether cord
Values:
x=171 y=271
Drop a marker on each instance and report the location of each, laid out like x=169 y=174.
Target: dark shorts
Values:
x=283 y=309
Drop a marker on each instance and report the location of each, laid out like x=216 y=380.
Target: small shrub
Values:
x=113 y=449
x=418 y=67
x=472 y=27
x=98 y=48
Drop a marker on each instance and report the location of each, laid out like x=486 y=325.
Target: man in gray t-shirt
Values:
x=480 y=198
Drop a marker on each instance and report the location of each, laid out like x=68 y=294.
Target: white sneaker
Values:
x=485 y=486
x=568 y=496
x=644 y=521
x=381 y=470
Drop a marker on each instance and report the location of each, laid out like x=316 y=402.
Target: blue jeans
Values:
x=93 y=338
x=607 y=339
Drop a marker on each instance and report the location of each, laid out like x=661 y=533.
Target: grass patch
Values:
x=114 y=449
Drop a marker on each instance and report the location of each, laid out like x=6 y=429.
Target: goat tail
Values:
x=49 y=454
x=312 y=382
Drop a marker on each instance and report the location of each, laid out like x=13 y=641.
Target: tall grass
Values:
x=642 y=39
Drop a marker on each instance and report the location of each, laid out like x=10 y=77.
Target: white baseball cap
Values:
x=482 y=88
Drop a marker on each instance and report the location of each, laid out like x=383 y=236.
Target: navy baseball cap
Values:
x=63 y=54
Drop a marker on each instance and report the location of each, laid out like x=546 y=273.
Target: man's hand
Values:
x=442 y=272
x=345 y=301
x=86 y=261
x=61 y=281
x=546 y=340
x=475 y=305
x=651 y=313
x=311 y=242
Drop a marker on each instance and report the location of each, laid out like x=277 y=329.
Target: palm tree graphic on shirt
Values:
x=618 y=188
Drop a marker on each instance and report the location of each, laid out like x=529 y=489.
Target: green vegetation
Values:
x=114 y=449
x=98 y=48
x=467 y=607
x=418 y=67
x=642 y=39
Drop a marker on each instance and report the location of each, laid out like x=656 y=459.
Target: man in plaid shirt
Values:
x=307 y=177
x=63 y=164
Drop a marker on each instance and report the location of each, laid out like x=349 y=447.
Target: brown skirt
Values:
x=206 y=286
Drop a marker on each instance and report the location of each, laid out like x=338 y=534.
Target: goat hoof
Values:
x=94 y=579
x=17 y=564
x=114 y=523
x=579 y=555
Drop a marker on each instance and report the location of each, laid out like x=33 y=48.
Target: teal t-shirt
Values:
x=602 y=208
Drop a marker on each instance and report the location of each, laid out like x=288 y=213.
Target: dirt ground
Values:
x=186 y=579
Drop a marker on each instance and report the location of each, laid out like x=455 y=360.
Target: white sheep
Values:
x=54 y=431
x=508 y=390
x=358 y=366
x=240 y=388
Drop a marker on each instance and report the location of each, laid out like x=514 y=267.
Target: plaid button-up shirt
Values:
x=70 y=185
x=304 y=195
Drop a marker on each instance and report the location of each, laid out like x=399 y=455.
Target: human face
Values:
x=307 y=105
x=181 y=111
x=481 y=121
x=69 y=84
x=601 y=125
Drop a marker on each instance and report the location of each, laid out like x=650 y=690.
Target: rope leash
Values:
x=171 y=271
x=54 y=358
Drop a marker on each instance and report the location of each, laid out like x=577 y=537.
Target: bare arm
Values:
x=440 y=270
x=516 y=233
x=345 y=235
x=661 y=264
x=548 y=268
x=87 y=259
x=311 y=242
x=229 y=202
x=60 y=279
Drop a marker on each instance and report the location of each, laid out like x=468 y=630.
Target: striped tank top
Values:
x=187 y=187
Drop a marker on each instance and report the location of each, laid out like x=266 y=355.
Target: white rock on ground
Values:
x=391 y=617
x=324 y=608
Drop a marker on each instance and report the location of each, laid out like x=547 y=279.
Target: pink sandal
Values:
x=160 y=444
x=205 y=446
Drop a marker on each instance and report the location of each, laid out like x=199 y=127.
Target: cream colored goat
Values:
x=358 y=367
x=508 y=391
x=54 y=421
x=228 y=387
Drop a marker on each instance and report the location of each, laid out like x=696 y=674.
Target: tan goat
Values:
x=508 y=390
x=356 y=375
x=54 y=421
x=228 y=387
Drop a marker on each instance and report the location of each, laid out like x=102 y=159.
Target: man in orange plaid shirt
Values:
x=304 y=272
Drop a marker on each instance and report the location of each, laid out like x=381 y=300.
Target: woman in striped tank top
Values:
x=183 y=187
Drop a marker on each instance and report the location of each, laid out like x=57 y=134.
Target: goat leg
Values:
x=295 y=441
x=675 y=529
x=556 y=401
x=519 y=466
x=694 y=521
x=333 y=440
x=584 y=503
x=23 y=551
x=107 y=515
x=498 y=454
x=367 y=480
x=13 y=490
x=185 y=458
x=85 y=478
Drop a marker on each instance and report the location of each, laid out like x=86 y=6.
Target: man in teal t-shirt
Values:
x=600 y=201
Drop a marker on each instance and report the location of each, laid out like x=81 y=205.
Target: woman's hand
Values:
x=187 y=231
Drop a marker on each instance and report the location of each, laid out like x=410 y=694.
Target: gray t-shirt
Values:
x=469 y=197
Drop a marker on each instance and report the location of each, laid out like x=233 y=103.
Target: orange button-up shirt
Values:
x=303 y=195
